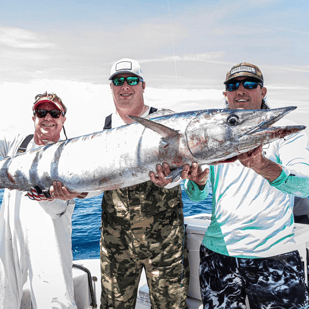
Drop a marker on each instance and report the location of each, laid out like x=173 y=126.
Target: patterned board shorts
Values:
x=272 y=283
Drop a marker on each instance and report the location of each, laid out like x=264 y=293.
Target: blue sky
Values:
x=184 y=47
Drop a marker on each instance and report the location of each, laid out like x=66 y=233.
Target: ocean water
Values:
x=86 y=221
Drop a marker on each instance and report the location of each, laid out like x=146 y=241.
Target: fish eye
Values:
x=232 y=120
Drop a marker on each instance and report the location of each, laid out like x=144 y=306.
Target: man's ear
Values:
x=225 y=94
x=264 y=92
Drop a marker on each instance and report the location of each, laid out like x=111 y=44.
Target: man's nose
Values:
x=125 y=85
x=48 y=116
x=241 y=89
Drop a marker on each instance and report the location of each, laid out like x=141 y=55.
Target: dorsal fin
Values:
x=156 y=127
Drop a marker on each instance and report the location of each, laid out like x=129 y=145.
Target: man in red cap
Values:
x=49 y=118
x=35 y=232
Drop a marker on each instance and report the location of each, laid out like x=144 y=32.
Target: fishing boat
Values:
x=86 y=273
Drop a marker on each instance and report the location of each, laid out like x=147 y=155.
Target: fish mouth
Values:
x=264 y=133
x=273 y=116
x=269 y=132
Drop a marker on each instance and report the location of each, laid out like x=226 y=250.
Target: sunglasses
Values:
x=131 y=80
x=248 y=84
x=41 y=113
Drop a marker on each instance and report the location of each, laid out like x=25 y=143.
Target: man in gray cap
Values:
x=249 y=248
x=142 y=225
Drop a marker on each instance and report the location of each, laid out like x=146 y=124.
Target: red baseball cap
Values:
x=49 y=98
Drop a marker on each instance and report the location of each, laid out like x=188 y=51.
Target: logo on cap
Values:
x=124 y=65
x=243 y=68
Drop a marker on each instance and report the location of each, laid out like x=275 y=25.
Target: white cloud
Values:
x=190 y=57
x=255 y=3
x=20 y=38
x=184 y=99
x=304 y=69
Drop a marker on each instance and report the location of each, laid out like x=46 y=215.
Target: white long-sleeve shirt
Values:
x=35 y=245
x=251 y=217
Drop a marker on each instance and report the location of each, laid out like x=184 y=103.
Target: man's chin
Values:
x=242 y=106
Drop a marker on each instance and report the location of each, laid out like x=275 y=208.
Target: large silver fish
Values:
x=124 y=156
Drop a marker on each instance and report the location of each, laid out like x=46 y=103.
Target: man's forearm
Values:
x=268 y=169
x=255 y=160
x=280 y=179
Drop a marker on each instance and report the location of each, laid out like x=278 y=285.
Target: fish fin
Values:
x=175 y=174
x=156 y=127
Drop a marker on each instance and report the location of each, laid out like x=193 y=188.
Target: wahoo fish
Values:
x=124 y=156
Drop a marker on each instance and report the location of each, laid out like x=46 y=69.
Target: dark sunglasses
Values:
x=41 y=113
x=248 y=84
x=131 y=80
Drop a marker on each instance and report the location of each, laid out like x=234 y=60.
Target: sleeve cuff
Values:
x=194 y=192
x=281 y=179
x=291 y=184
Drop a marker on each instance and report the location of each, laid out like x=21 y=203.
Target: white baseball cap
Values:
x=126 y=65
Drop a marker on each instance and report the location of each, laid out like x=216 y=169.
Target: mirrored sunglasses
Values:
x=131 y=80
x=248 y=84
x=41 y=113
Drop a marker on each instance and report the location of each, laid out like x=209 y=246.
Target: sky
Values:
x=184 y=47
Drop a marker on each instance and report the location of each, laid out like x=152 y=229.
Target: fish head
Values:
x=218 y=135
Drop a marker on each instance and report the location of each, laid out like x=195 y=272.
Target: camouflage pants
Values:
x=274 y=283
x=158 y=246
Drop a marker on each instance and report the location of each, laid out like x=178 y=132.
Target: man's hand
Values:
x=58 y=191
x=195 y=173
x=255 y=160
x=162 y=171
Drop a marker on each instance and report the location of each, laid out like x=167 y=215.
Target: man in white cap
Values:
x=142 y=225
x=35 y=232
x=128 y=86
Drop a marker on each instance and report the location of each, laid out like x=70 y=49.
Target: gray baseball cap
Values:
x=244 y=69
